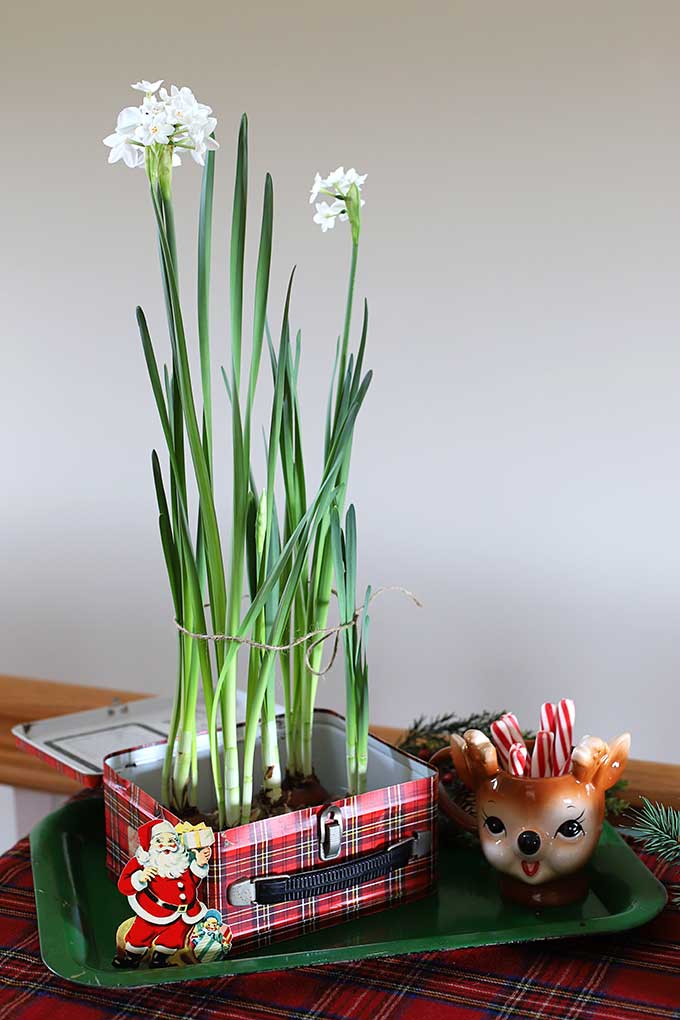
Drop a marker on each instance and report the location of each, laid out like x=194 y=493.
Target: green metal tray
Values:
x=79 y=909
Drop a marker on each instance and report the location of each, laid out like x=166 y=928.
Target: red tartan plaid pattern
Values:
x=287 y=844
x=90 y=782
x=630 y=976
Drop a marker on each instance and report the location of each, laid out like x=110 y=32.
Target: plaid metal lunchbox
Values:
x=293 y=873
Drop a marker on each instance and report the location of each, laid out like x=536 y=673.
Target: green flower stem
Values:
x=180 y=748
x=172 y=732
x=184 y=777
x=321 y=586
x=348 y=319
x=362 y=733
x=266 y=670
x=271 y=764
x=285 y=661
x=300 y=627
x=354 y=640
x=207 y=505
x=270 y=743
x=203 y=297
x=182 y=399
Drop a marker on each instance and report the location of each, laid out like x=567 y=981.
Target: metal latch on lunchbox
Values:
x=330 y=833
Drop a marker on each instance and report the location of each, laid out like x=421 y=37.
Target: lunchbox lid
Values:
x=77 y=744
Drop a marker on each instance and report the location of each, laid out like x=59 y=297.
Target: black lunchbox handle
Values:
x=271 y=889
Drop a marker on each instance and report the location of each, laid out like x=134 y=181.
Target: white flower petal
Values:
x=128 y=119
x=316 y=187
x=131 y=155
x=352 y=177
x=147 y=86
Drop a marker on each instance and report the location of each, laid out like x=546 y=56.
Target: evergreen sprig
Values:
x=435 y=732
x=657 y=826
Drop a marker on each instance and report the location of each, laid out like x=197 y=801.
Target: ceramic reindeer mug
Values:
x=539 y=833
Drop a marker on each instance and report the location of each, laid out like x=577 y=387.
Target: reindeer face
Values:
x=538 y=830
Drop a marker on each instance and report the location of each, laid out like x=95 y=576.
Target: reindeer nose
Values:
x=529 y=842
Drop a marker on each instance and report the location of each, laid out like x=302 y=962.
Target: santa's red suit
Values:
x=165 y=907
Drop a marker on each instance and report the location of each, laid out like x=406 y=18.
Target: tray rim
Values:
x=56 y=954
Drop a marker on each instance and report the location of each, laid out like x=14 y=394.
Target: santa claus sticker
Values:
x=161 y=883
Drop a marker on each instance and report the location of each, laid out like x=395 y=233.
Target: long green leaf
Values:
x=204 y=260
x=216 y=579
x=238 y=241
x=264 y=259
x=167 y=537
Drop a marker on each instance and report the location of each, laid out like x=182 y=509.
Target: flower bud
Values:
x=158 y=163
x=353 y=205
x=165 y=170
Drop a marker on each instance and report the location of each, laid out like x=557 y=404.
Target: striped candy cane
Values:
x=548 y=716
x=518 y=759
x=505 y=732
x=542 y=756
x=512 y=723
x=564 y=736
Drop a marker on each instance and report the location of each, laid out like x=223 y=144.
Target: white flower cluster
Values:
x=336 y=185
x=173 y=118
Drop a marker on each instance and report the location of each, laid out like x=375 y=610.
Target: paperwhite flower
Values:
x=352 y=177
x=333 y=178
x=326 y=214
x=154 y=130
x=148 y=86
x=121 y=148
x=339 y=182
x=200 y=148
x=316 y=188
x=174 y=118
x=129 y=120
x=337 y=186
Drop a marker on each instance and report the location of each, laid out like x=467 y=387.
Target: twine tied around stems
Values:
x=320 y=635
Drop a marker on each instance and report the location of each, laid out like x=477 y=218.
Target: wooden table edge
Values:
x=23 y=700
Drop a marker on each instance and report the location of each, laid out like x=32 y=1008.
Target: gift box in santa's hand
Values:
x=161 y=883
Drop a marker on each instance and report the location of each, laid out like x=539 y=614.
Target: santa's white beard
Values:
x=169 y=865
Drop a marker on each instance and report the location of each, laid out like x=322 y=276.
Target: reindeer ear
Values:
x=586 y=758
x=613 y=763
x=481 y=755
x=460 y=760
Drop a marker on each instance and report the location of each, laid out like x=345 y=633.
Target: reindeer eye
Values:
x=570 y=829
x=494 y=825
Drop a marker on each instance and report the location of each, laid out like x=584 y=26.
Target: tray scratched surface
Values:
x=79 y=909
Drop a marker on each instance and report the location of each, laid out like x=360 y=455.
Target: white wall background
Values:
x=518 y=460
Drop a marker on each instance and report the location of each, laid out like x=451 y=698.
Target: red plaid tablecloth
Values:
x=632 y=975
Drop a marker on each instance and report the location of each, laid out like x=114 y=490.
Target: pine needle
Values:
x=658 y=829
